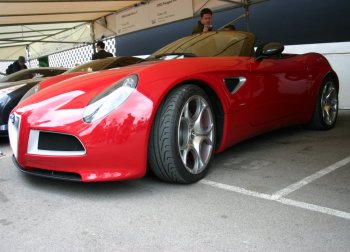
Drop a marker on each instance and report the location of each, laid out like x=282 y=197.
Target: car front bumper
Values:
x=113 y=148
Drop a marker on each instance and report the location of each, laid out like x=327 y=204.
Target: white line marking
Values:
x=236 y=189
x=314 y=208
x=284 y=201
x=309 y=179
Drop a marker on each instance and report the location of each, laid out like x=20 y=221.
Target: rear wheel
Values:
x=326 y=108
x=182 y=140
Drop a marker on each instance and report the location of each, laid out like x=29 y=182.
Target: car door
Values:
x=279 y=90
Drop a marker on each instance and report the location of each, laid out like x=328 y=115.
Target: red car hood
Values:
x=58 y=78
x=77 y=92
x=85 y=86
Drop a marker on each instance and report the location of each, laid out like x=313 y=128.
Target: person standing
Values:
x=17 y=65
x=205 y=22
x=101 y=53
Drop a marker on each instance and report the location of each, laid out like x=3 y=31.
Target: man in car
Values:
x=101 y=53
x=204 y=24
x=17 y=65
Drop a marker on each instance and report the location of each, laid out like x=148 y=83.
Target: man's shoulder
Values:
x=101 y=55
x=9 y=69
x=105 y=53
x=13 y=67
x=198 y=28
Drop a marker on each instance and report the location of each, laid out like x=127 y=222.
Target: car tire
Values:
x=182 y=139
x=326 y=107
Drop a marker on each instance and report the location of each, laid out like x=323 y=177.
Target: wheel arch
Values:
x=316 y=121
x=334 y=76
x=330 y=74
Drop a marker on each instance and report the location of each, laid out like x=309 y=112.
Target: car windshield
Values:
x=32 y=73
x=209 y=44
x=94 y=65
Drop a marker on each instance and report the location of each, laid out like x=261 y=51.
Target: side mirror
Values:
x=273 y=48
x=269 y=49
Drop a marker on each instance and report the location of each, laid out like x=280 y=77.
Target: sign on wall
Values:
x=166 y=11
x=155 y=13
x=133 y=19
x=214 y=5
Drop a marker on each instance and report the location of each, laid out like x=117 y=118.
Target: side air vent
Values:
x=234 y=83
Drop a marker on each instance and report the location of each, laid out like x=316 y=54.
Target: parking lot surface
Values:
x=287 y=190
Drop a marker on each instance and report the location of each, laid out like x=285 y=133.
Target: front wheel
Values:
x=182 y=140
x=326 y=107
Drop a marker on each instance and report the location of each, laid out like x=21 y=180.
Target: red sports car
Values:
x=193 y=98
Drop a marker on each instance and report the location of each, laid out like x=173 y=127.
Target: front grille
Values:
x=54 y=144
x=58 y=142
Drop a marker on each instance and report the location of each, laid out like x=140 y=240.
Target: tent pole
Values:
x=28 y=55
x=246 y=13
x=93 y=36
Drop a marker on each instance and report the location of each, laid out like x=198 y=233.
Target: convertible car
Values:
x=14 y=86
x=193 y=98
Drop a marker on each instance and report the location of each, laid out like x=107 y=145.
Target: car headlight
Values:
x=110 y=99
x=30 y=92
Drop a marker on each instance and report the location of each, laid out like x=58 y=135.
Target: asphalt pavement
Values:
x=287 y=190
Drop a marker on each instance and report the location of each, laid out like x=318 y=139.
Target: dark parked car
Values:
x=32 y=73
x=14 y=86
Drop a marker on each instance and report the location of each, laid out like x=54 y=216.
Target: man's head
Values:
x=100 y=45
x=21 y=60
x=206 y=16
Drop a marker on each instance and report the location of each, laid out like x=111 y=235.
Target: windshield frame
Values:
x=209 y=44
x=101 y=63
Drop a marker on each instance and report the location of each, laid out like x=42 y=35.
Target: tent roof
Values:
x=25 y=21
x=52 y=25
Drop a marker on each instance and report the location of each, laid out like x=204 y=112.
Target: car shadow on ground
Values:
x=143 y=187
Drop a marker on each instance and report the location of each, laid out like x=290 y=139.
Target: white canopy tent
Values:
x=48 y=26
x=60 y=24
